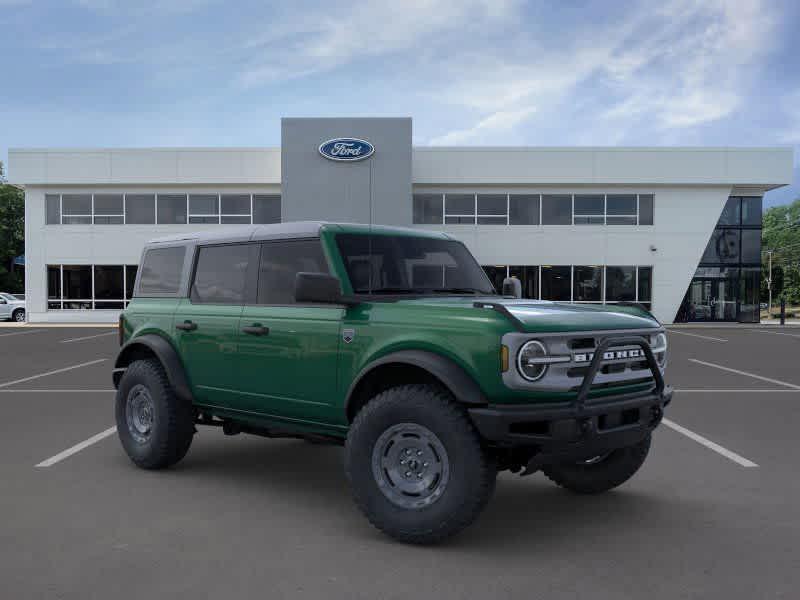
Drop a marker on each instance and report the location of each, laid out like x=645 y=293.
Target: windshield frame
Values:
x=479 y=281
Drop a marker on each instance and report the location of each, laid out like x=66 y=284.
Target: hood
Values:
x=540 y=316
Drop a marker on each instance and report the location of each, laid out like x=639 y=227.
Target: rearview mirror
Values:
x=317 y=287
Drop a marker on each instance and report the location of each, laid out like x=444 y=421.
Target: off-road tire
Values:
x=172 y=426
x=18 y=315
x=472 y=472
x=612 y=471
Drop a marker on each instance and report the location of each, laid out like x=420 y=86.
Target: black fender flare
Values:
x=165 y=352
x=452 y=376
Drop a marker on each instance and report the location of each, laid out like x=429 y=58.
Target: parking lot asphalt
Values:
x=712 y=514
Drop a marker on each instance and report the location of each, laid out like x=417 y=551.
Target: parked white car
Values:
x=12 y=308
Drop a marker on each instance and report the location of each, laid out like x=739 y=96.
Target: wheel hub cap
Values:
x=139 y=411
x=410 y=465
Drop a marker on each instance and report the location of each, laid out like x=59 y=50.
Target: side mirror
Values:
x=512 y=287
x=317 y=287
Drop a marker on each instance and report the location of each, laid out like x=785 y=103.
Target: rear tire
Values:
x=416 y=466
x=18 y=315
x=597 y=476
x=154 y=426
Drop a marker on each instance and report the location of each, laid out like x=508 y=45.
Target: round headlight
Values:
x=527 y=363
x=660 y=349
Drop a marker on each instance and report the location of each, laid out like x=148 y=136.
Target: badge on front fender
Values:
x=348 y=335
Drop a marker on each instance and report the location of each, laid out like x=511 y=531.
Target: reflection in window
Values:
x=171 y=208
x=492 y=209
x=723 y=247
x=428 y=209
x=108 y=209
x=53 y=209
x=496 y=274
x=529 y=278
x=220 y=274
x=749 y=295
x=459 y=209
x=589 y=209
x=557 y=209
x=140 y=209
x=646 y=209
x=203 y=208
x=266 y=208
x=730 y=213
x=235 y=209
x=556 y=283
x=281 y=262
x=161 y=271
x=751 y=211
x=621 y=209
x=523 y=209
x=645 y=291
x=76 y=209
x=587 y=284
x=620 y=284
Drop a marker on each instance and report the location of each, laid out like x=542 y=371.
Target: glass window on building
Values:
x=645 y=286
x=266 y=208
x=77 y=286
x=557 y=209
x=76 y=209
x=109 y=209
x=235 y=209
x=587 y=284
x=428 y=209
x=109 y=287
x=723 y=247
x=556 y=283
x=620 y=284
x=751 y=246
x=53 y=209
x=140 y=209
x=459 y=209
x=130 y=280
x=749 y=294
x=589 y=209
x=528 y=276
x=621 y=209
x=731 y=214
x=751 y=211
x=54 y=287
x=646 y=209
x=523 y=209
x=171 y=209
x=492 y=209
x=496 y=274
x=203 y=208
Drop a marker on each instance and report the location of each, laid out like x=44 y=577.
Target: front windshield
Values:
x=395 y=264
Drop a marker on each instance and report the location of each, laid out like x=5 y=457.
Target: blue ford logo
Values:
x=346 y=149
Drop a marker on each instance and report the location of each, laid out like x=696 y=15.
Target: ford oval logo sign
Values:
x=346 y=149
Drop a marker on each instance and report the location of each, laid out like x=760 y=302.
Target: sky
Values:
x=108 y=73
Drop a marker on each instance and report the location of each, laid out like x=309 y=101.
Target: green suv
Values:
x=393 y=343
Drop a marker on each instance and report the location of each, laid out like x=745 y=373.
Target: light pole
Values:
x=769 y=286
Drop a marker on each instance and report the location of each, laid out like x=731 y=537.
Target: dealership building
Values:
x=676 y=229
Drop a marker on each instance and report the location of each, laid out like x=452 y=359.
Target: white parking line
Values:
x=77 y=448
x=745 y=373
x=739 y=460
x=697 y=335
x=22 y=332
x=24 y=379
x=87 y=337
x=794 y=335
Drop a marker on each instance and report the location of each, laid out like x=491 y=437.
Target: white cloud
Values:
x=496 y=122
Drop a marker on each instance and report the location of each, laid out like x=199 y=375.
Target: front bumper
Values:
x=584 y=428
x=599 y=426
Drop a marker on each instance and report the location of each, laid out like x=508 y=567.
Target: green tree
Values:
x=12 y=235
x=781 y=235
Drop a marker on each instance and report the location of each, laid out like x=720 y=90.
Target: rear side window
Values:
x=161 y=271
x=220 y=274
x=280 y=264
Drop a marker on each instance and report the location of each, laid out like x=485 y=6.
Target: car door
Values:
x=5 y=308
x=207 y=322
x=288 y=352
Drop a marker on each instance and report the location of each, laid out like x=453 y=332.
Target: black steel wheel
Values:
x=416 y=466
x=154 y=426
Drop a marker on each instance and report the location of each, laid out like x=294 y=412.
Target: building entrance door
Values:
x=711 y=300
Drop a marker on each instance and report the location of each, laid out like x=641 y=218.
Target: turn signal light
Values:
x=504 y=358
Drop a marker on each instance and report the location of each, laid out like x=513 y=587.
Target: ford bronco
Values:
x=393 y=343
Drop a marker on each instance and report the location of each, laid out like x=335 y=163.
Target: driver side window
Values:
x=281 y=262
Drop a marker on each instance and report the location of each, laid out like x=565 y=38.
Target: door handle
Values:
x=256 y=329
x=186 y=326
